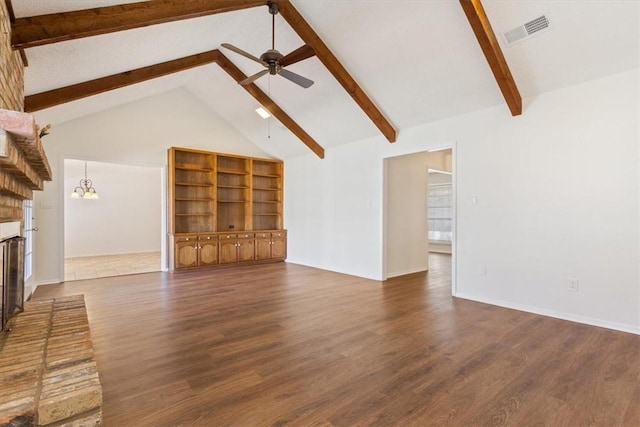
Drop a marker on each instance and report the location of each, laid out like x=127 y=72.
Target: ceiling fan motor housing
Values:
x=272 y=57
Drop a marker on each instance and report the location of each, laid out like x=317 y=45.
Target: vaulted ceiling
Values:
x=416 y=61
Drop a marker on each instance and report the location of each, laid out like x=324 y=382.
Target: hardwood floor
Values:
x=283 y=344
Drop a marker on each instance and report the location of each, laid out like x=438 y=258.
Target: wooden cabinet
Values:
x=221 y=201
x=186 y=252
x=271 y=245
x=236 y=248
x=208 y=250
x=194 y=251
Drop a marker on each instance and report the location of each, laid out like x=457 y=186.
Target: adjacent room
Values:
x=289 y=212
x=112 y=219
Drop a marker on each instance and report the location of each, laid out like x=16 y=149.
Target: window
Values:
x=440 y=212
x=28 y=234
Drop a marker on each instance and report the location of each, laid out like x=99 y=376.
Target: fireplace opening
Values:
x=12 y=283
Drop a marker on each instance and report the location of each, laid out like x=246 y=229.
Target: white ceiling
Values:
x=418 y=60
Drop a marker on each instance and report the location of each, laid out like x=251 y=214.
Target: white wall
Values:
x=126 y=217
x=136 y=134
x=406 y=209
x=543 y=211
x=333 y=210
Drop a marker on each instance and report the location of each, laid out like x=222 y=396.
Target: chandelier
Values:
x=85 y=190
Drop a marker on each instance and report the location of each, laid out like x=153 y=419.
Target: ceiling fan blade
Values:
x=243 y=53
x=296 y=78
x=253 y=78
x=301 y=53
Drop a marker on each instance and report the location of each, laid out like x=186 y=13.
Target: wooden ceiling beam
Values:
x=56 y=27
x=230 y=68
x=309 y=36
x=12 y=20
x=94 y=87
x=77 y=91
x=491 y=49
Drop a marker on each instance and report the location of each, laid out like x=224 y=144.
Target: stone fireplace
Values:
x=48 y=374
x=11 y=277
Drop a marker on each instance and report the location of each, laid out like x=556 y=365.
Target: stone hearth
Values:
x=48 y=375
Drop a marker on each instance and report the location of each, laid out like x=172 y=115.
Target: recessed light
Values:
x=263 y=113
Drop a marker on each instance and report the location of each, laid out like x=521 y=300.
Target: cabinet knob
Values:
x=186 y=238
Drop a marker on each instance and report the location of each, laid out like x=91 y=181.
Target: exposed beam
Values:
x=57 y=27
x=271 y=106
x=65 y=94
x=491 y=49
x=93 y=87
x=309 y=36
x=12 y=20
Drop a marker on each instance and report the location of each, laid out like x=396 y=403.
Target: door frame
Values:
x=163 y=210
x=454 y=227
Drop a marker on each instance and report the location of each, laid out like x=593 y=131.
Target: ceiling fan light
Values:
x=263 y=113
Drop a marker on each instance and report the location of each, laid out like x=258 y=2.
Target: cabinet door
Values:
x=228 y=251
x=186 y=254
x=263 y=245
x=278 y=247
x=245 y=249
x=208 y=253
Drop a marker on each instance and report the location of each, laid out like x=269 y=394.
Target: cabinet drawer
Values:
x=263 y=235
x=207 y=237
x=190 y=238
x=279 y=234
x=246 y=235
x=228 y=236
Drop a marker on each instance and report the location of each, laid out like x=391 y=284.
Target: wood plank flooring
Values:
x=283 y=344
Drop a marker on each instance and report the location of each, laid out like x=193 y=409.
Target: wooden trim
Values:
x=23 y=56
x=77 y=91
x=491 y=49
x=56 y=27
x=310 y=37
x=230 y=68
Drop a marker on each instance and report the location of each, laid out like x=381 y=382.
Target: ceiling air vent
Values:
x=523 y=32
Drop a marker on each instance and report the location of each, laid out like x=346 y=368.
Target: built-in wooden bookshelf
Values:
x=267 y=195
x=214 y=195
x=193 y=184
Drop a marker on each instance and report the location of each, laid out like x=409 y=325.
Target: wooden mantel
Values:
x=22 y=157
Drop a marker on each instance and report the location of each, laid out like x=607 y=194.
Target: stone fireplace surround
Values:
x=48 y=375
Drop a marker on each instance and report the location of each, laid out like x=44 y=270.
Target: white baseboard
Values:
x=405 y=272
x=48 y=282
x=552 y=313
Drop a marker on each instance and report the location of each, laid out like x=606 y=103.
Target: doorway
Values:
x=116 y=229
x=415 y=234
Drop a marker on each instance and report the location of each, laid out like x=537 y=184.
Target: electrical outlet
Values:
x=572 y=284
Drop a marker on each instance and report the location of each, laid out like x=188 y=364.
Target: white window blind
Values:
x=440 y=212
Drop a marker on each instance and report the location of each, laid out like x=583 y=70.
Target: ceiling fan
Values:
x=274 y=61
